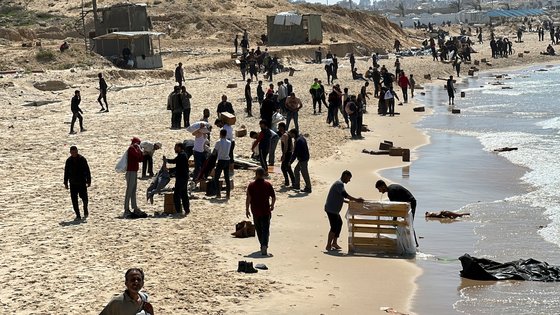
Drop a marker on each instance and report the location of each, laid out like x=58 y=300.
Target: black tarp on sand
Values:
x=523 y=269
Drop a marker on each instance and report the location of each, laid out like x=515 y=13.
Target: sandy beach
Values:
x=51 y=265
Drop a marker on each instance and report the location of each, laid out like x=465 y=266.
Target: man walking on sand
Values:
x=248 y=98
x=76 y=112
x=450 y=90
x=335 y=200
x=102 y=93
x=301 y=153
x=180 y=74
x=261 y=199
x=134 y=157
x=77 y=173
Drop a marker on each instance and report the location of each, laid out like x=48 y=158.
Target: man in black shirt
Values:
x=248 y=98
x=77 y=173
x=267 y=109
x=76 y=112
x=225 y=106
x=102 y=93
x=397 y=192
x=180 y=191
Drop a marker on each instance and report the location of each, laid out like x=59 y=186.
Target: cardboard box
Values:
x=241 y=133
x=168 y=204
x=228 y=118
x=396 y=151
x=385 y=146
x=406 y=155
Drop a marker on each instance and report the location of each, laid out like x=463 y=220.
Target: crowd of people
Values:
x=279 y=128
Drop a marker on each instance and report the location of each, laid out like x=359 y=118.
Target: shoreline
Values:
x=469 y=226
x=199 y=248
x=298 y=223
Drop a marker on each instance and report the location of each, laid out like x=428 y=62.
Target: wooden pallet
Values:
x=372 y=226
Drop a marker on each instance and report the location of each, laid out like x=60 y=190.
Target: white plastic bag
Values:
x=123 y=163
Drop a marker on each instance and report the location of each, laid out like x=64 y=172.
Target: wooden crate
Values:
x=168 y=204
x=228 y=118
x=373 y=227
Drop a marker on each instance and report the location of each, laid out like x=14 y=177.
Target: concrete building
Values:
x=123 y=35
x=289 y=28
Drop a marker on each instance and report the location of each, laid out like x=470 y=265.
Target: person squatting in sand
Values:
x=333 y=205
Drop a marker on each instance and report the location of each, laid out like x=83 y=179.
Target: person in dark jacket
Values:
x=397 y=192
x=76 y=112
x=179 y=74
x=263 y=141
x=180 y=191
x=225 y=106
x=301 y=153
x=102 y=93
x=78 y=175
x=267 y=109
x=248 y=98
x=315 y=91
x=186 y=103
x=134 y=157
x=260 y=93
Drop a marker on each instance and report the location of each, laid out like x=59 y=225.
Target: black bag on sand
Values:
x=523 y=269
x=244 y=229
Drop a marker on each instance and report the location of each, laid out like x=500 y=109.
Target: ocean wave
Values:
x=553 y=123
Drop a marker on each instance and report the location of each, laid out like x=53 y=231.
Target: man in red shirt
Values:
x=261 y=199
x=404 y=83
x=134 y=157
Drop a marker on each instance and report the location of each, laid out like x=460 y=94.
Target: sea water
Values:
x=514 y=197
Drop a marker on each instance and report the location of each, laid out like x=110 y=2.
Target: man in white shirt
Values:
x=148 y=149
x=282 y=95
x=222 y=150
x=229 y=129
x=199 y=130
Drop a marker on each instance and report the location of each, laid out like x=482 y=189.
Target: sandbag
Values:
x=122 y=164
x=523 y=269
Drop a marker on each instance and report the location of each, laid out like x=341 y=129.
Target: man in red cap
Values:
x=134 y=158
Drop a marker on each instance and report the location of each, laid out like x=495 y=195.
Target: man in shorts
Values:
x=333 y=205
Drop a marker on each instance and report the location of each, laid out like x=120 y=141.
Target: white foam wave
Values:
x=553 y=123
x=539 y=154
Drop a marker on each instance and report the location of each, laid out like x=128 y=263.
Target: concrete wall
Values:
x=315 y=29
x=124 y=18
x=283 y=35
x=114 y=47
